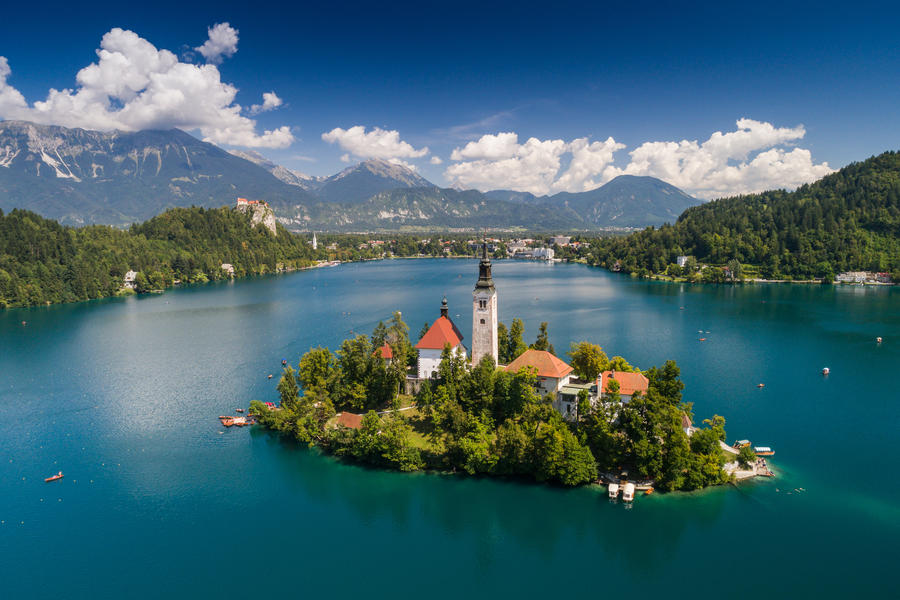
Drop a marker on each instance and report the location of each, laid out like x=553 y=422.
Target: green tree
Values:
x=587 y=360
x=517 y=344
x=287 y=389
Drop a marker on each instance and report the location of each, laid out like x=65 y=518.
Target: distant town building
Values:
x=560 y=240
x=315 y=244
x=543 y=253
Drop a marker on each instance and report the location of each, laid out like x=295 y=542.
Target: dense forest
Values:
x=487 y=421
x=43 y=262
x=847 y=221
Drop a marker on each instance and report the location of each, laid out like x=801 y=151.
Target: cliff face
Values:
x=260 y=213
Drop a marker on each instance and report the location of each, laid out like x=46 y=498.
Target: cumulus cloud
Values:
x=725 y=164
x=436 y=160
x=222 y=42
x=750 y=159
x=271 y=101
x=134 y=86
x=501 y=162
x=378 y=143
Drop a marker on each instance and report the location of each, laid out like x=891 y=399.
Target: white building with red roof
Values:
x=629 y=383
x=430 y=348
x=552 y=373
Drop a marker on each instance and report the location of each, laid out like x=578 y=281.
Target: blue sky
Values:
x=817 y=83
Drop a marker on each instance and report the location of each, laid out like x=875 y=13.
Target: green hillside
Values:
x=849 y=220
x=43 y=262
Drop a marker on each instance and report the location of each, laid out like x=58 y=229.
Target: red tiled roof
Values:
x=350 y=420
x=386 y=351
x=441 y=333
x=629 y=383
x=546 y=364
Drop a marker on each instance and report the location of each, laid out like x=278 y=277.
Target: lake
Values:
x=122 y=395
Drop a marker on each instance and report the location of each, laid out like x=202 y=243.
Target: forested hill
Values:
x=42 y=261
x=849 y=220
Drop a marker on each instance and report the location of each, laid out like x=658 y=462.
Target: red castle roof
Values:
x=443 y=332
x=386 y=351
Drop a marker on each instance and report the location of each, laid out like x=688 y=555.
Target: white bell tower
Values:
x=484 y=312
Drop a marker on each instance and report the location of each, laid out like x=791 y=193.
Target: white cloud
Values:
x=501 y=162
x=436 y=160
x=725 y=164
x=134 y=86
x=271 y=101
x=749 y=159
x=378 y=143
x=222 y=42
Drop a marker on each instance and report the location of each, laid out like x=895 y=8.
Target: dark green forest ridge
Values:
x=847 y=221
x=43 y=262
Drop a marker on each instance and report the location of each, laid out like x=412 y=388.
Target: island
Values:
x=509 y=409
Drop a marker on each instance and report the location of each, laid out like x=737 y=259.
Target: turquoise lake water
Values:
x=122 y=395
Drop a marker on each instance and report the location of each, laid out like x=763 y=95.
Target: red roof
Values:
x=441 y=333
x=386 y=351
x=350 y=420
x=546 y=364
x=629 y=383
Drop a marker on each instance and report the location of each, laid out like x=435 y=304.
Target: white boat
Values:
x=826 y=371
x=614 y=490
x=763 y=451
x=628 y=492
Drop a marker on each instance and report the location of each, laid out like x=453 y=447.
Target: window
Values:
x=482 y=304
x=482 y=321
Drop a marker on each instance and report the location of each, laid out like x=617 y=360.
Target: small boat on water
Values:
x=826 y=371
x=613 y=490
x=763 y=451
x=270 y=376
x=741 y=444
x=283 y=362
x=240 y=410
x=648 y=491
x=54 y=477
x=702 y=339
x=878 y=340
x=628 y=492
x=226 y=420
x=760 y=385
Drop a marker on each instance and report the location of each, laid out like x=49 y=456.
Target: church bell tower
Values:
x=484 y=312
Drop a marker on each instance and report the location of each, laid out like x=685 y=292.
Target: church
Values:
x=444 y=332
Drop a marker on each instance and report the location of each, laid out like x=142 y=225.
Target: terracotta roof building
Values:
x=552 y=372
x=430 y=348
x=350 y=420
x=629 y=383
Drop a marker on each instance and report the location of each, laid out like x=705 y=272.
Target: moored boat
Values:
x=741 y=444
x=763 y=451
x=614 y=490
x=628 y=492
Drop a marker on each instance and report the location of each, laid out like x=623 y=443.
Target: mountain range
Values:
x=78 y=176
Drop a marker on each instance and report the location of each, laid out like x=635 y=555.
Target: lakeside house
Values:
x=129 y=281
x=387 y=355
x=682 y=260
x=863 y=277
